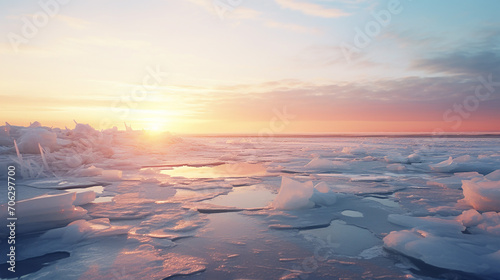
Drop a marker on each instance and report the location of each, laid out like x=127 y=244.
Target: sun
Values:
x=153 y=121
x=154 y=127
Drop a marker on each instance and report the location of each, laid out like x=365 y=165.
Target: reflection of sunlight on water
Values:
x=143 y=262
x=224 y=170
x=247 y=197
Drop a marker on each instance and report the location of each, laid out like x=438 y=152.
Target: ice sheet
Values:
x=129 y=205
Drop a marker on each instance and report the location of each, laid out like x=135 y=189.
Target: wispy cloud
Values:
x=237 y=12
x=101 y=41
x=291 y=27
x=73 y=22
x=312 y=9
x=406 y=99
x=462 y=63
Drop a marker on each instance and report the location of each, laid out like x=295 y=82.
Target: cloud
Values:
x=239 y=12
x=101 y=41
x=462 y=63
x=439 y=53
x=73 y=22
x=411 y=99
x=233 y=12
x=405 y=99
x=243 y=13
x=45 y=103
x=311 y=9
x=291 y=27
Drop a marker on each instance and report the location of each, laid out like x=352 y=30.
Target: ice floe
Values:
x=82 y=229
x=322 y=164
x=482 y=193
x=293 y=195
x=49 y=211
x=443 y=243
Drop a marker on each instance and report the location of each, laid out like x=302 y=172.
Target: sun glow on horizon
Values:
x=154 y=128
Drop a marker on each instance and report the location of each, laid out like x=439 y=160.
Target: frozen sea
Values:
x=133 y=205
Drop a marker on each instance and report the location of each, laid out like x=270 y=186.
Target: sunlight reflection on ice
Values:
x=247 y=197
x=224 y=170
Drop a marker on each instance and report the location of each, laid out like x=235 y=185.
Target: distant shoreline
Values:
x=485 y=135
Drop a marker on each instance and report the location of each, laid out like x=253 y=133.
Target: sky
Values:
x=252 y=66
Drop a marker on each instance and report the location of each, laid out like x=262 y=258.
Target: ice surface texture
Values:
x=126 y=204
